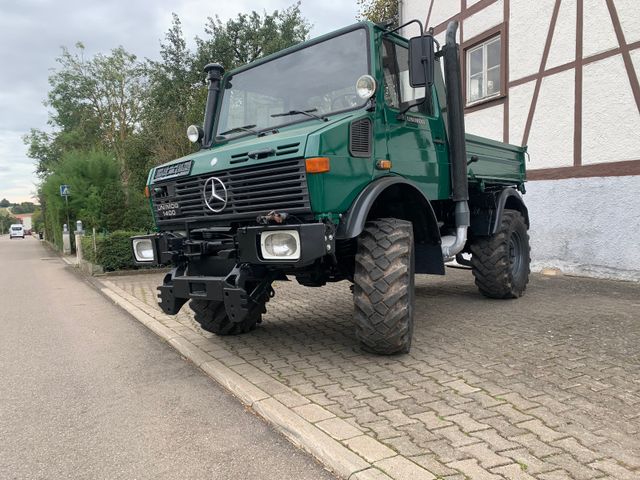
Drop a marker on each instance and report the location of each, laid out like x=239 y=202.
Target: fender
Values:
x=509 y=199
x=354 y=219
x=380 y=199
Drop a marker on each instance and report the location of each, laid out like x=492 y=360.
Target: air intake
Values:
x=360 y=138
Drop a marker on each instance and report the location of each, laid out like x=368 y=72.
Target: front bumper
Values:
x=204 y=267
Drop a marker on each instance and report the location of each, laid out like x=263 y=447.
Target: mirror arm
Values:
x=405 y=24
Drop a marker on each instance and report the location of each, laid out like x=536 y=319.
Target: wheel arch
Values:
x=374 y=202
x=396 y=197
x=509 y=199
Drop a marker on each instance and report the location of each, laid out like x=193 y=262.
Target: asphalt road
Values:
x=88 y=392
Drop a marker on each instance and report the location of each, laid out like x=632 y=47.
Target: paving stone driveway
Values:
x=546 y=387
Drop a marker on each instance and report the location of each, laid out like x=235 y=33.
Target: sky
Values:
x=32 y=33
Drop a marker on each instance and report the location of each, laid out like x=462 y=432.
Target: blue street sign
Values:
x=64 y=191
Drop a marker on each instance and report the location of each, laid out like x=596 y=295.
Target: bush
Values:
x=88 y=253
x=113 y=251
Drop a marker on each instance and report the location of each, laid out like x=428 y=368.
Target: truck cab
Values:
x=342 y=158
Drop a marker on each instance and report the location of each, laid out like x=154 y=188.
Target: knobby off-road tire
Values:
x=500 y=263
x=384 y=286
x=212 y=317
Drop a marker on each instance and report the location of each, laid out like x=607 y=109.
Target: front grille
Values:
x=251 y=191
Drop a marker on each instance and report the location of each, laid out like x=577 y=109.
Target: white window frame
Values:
x=485 y=71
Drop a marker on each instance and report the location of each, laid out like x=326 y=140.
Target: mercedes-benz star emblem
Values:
x=215 y=194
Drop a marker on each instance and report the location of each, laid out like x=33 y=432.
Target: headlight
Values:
x=143 y=249
x=280 y=245
x=194 y=133
x=366 y=86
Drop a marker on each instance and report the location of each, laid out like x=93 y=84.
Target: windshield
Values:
x=319 y=79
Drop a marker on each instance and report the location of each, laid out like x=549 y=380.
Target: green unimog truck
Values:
x=341 y=158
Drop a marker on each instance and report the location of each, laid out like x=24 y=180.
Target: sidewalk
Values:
x=545 y=387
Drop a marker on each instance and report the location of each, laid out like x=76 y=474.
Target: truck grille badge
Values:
x=215 y=194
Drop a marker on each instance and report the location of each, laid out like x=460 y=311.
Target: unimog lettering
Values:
x=344 y=158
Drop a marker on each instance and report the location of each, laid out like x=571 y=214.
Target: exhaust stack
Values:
x=451 y=245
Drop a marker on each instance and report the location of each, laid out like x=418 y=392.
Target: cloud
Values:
x=33 y=31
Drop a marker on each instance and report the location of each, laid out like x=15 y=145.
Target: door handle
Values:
x=439 y=141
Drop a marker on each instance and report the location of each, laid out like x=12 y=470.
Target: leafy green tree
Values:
x=6 y=220
x=249 y=37
x=4 y=203
x=24 y=207
x=379 y=10
x=95 y=102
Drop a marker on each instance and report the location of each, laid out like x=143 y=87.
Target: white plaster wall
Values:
x=611 y=124
x=519 y=103
x=635 y=58
x=486 y=122
x=551 y=138
x=599 y=35
x=412 y=10
x=586 y=226
x=563 y=45
x=528 y=27
x=442 y=10
x=484 y=20
x=629 y=15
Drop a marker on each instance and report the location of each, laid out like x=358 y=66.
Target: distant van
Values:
x=16 y=230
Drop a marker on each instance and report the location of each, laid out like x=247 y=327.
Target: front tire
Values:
x=501 y=263
x=384 y=286
x=212 y=317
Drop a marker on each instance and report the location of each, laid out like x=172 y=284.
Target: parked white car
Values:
x=16 y=230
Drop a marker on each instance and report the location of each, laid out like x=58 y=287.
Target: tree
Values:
x=4 y=203
x=251 y=36
x=24 y=207
x=379 y=10
x=100 y=98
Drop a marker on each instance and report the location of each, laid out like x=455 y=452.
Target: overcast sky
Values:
x=32 y=32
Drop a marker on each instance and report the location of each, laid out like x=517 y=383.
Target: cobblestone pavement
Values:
x=544 y=387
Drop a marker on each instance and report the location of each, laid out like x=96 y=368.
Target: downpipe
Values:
x=452 y=245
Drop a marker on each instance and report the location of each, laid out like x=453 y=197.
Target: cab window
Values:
x=398 y=93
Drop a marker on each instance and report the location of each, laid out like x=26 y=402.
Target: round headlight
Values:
x=366 y=86
x=194 y=133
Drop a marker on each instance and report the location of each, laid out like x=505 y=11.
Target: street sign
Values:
x=64 y=191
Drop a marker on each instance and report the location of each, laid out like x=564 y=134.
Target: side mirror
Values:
x=421 y=61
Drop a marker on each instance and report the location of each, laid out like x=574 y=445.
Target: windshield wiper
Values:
x=302 y=112
x=245 y=128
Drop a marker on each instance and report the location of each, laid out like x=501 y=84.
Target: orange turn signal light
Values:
x=318 y=165
x=383 y=164
x=147 y=193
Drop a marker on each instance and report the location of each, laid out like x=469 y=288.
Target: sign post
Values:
x=65 y=192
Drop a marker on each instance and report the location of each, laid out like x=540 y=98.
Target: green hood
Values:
x=290 y=142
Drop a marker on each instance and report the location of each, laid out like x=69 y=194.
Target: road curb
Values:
x=306 y=424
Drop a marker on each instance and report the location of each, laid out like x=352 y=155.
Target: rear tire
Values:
x=501 y=263
x=384 y=286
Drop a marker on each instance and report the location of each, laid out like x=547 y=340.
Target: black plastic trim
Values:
x=354 y=219
x=505 y=195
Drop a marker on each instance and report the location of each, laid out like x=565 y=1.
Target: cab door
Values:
x=416 y=138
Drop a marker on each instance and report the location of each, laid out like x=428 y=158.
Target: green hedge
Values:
x=113 y=251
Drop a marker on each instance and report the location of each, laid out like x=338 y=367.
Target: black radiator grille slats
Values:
x=251 y=190
x=360 y=138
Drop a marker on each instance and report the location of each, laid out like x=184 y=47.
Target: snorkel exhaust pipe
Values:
x=214 y=72
x=451 y=245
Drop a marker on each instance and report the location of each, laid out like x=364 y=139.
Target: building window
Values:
x=484 y=70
